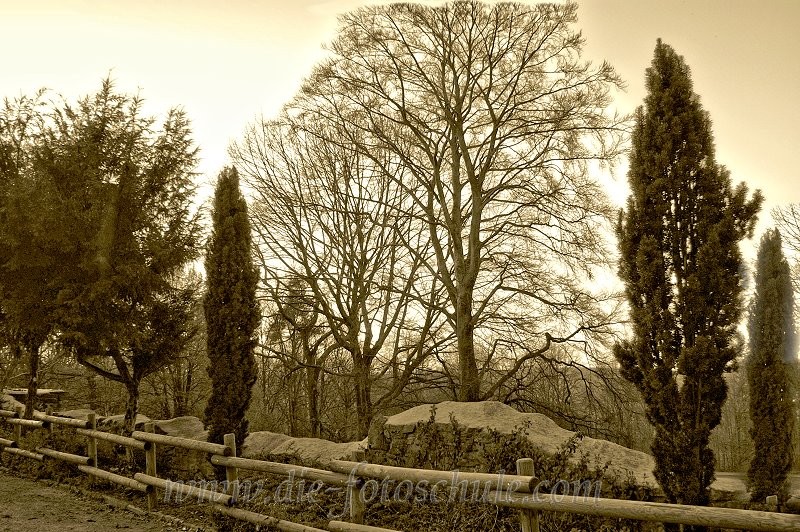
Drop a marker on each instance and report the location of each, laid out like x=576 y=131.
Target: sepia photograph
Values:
x=378 y=266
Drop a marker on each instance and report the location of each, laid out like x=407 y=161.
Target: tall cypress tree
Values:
x=681 y=265
x=231 y=311
x=772 y=345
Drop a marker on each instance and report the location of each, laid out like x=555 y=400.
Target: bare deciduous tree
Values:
x=787 y=220
x=297 y=339
x=491 y=119
x=326 y=217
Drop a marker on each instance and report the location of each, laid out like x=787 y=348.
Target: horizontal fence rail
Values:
x=115 y=438
x=653 y=511
x=308 y=473
x=174 y=441
x=184 y=489
x=117 y=479
x=24 y=453
x=66 y=457
x=30 y=423
x=67 y=421
x=486 y=481
x=264 y=520
x=518 y=491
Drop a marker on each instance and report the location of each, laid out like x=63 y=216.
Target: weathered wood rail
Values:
x=115 y=438
x=519 y=491
x=654 y=512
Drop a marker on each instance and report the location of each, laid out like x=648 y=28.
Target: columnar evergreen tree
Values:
x=772 y=347
x=231 y=310
x=681 y=265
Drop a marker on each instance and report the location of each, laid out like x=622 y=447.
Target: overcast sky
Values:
x=228 y=62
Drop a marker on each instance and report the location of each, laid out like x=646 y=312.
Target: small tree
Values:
x=304 y=350
x=772 y=347
x=680 y=261
x=231 y=311
x=94 y=224
x=182 y=387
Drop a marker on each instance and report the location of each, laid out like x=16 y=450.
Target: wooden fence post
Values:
x=357 y=505
x=528 y=519
x=231 y=472
x=91 y=446
x=49 y=427
x=150 y=466
x=18 y=428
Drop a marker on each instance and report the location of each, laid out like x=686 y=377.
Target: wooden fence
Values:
x=519 y=491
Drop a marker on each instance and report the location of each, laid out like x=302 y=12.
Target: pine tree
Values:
x=231 y=311
x=681 y=265
x=772 y=348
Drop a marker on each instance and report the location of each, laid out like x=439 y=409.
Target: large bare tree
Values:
x=491 y=121
x=327 y=217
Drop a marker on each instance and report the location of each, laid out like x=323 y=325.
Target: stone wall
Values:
x=404 y=438
x=410 y=445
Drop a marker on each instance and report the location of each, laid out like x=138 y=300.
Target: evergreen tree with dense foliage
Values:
x=125 y=188
x=231 y=310
x=680 y=262
x=97 y=225
x=772 y=348
x=29 y=248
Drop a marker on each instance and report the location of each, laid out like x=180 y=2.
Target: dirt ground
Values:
x=35 y=506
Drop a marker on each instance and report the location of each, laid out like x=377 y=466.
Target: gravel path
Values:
x=33 y=506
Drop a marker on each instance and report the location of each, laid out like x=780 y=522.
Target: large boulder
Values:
x=263 y=444
x=478 y=418
x=188 y=427
x=118 y=422
x=9 y=403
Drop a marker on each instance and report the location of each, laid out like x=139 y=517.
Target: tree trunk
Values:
x=181 y=387
x=470 y=387
x=92 y=396
x=361 y=364
x=187 y=389
x=312 y=374
x=293 y=389
x=166 y=407
x=33 y=380
x=312 y=379
x=132 y=406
